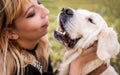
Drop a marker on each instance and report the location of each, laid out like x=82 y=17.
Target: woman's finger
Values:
x=89 y=57
x=89 y=50
x=99 y=70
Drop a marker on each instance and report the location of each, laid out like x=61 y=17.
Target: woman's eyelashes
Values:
x=31 y=14
x=39 y=2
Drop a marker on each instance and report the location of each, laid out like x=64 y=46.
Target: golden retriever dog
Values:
x=79 y=29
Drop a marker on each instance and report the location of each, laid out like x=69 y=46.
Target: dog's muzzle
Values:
x=65 y=15
x=61 y=34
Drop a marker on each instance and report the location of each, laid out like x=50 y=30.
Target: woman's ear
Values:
x=12 y=34
x=108 y=45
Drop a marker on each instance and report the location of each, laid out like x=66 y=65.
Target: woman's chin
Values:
x=44 y=33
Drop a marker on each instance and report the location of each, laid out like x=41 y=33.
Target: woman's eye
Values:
x=30 y=15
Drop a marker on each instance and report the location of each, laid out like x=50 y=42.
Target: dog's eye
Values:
x=91 y=20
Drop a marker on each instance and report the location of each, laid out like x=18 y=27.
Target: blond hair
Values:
x=10 y=57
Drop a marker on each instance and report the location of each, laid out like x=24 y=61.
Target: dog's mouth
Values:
x=63 y=37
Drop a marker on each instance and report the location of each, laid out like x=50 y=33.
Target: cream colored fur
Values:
x=107 y=47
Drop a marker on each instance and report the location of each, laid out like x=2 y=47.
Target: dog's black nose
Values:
x=67 y=11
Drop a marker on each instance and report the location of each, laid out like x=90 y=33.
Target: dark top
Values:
x=35 y=68
x=31 y=70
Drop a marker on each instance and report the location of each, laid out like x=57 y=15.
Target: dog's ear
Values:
x=108 y=45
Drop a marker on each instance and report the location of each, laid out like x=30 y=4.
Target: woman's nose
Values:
x=45 y=12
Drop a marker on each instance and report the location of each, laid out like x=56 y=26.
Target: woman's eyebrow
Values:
x=28 y=9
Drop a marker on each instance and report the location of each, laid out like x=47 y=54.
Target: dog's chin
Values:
x=63 y=37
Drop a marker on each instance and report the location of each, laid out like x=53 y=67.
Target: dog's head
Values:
x=76 y=25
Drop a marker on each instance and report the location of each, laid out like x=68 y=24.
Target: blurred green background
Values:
x=108 y=9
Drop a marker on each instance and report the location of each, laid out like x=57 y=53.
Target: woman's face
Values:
x=32 y=22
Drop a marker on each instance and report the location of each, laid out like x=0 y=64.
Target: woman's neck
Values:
x=27 y=44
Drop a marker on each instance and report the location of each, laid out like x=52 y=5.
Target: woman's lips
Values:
x=45 y=25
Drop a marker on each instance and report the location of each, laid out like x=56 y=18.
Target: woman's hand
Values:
x=86 y=56
x=99 y=70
